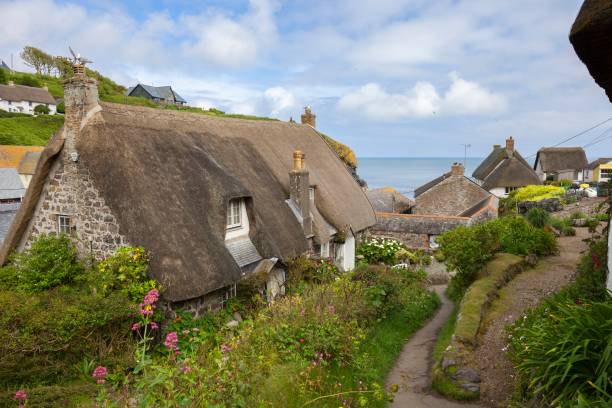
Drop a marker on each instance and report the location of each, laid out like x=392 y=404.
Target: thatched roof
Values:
x=553 y=159
x=18 y=93
x=169 y=176
x=591 y=36
x=505 y=168
x=602 y=160
x=28 y=163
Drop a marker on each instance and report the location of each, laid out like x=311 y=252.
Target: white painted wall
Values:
x=24 y=107
x=275 y=285
x=499 y=192
x=25 y=179
x=345 y=254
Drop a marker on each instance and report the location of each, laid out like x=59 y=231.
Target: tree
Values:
x=63 y=66
x=41 y=110
x=37 y=59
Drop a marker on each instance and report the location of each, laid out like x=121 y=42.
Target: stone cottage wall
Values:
x=70 y=191
x=414 y=230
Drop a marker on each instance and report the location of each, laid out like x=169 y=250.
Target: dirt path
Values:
x=412 y=369
x=523 y=292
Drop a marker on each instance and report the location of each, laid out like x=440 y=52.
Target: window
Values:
x=63 y=224
x=311 y=193
x=509 y=189
x=325 y=250
x=229 y=293
x=605 y=174
x=30 y=103
x=234 y=214
x=10 y=102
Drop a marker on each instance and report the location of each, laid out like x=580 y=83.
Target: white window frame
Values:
x=228 y=294
x=325 y=249
x=510 y=189
x=311 y=193
x=234 y=213
x=63 y=224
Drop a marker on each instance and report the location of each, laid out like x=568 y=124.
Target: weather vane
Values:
x=77 y=59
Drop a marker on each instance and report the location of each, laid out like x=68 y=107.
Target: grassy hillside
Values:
x=37 y=131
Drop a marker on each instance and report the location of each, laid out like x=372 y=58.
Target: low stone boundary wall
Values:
x=472 y=309
x=414 y=230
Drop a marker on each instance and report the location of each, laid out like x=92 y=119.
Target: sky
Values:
x=390 y=78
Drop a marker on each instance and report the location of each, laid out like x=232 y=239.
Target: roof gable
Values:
x=512 y=172
x=18 y=93
x=596 y=163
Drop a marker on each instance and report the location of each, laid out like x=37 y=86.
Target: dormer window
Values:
x=311 y=193
x=234 y=213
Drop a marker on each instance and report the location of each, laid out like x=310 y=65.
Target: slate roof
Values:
x=28 y=163
x=243 y=251
x=18 y=93
x=161 y=92
x=554 y=159
x=173 y=176
x=420 y=190
x=388 y=199
x=505 y=168
x=602 y=160
x=11 y=156
x=591 y=36
x=3 y=65
x=7 y=214
x=11 y=186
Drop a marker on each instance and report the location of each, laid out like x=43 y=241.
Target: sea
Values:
x=405 y=174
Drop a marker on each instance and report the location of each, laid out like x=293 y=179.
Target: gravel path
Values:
x=412 y=369
x=523 y=292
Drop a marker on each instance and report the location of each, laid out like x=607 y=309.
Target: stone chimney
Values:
x=496 y=146
x=80 y=98
x=457 y=169
x=309 y=118
x=299 y=190
x=510 y=144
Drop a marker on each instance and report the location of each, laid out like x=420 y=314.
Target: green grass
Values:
x=29 y=131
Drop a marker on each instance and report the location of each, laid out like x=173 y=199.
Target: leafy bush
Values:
x=61 y=107
x=50 y=261
x=126 y=271
x=467 y=249
x=381 y=250
x=41 y=110
x=536 y=193
x=27 y=80
x=538 y=217
x=3 y=76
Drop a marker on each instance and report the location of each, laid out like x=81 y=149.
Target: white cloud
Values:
x=244 y=108
x=462 y=98
x=279 y=99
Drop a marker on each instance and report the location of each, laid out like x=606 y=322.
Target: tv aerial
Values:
x=77 y=59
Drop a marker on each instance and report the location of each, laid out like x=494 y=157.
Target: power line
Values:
x=598 y=138
x=577 y=134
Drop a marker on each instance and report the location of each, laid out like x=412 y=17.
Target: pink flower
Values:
x=225 y=348
x=185 y=368
x=154 y=326
x=302 y=341
x=331 y=309
x=151 y=297
x=171 y=341
x=99 y=374
x=21 y=395
x=147 y=309
x=135 y=327
x=302 y=312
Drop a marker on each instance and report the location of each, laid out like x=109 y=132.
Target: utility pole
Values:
x=465 y=147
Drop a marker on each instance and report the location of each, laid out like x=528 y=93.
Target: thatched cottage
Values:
x=504 y=170
x=212 y=199
x=561 y=163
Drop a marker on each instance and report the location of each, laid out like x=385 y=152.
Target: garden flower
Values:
x=154 y=326
x=225 y=348
x=302 y=341
x=135 y=327
x=171 y=341
x=99 y=374
x=146 y=309
x=151 y=297
x=185 y=369
x=21 y=395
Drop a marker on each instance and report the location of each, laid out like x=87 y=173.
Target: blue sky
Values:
x=387 y=77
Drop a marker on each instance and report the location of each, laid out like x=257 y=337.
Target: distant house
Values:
x=599 y=170
x=12 y=192
x=23 y=99
x=4 y=66
x=27 y=167
x=158 y=94
x=447 y=202
x=215 y=200
x=504 y=170
x=561 y=163
x=450 y=194
x=388 y=199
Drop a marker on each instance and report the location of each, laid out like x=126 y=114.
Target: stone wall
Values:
x=414 y=230
x=69 y=191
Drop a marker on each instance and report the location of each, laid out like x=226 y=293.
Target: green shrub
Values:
x=28 y=80
x=126 y=270
x=3 y=76
x=565 y=183
x=379 y=250
x=41 y=110
x=467 y=249
x=50 y=261
x=61 y=107
x=538 y=217
x=576 y=215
